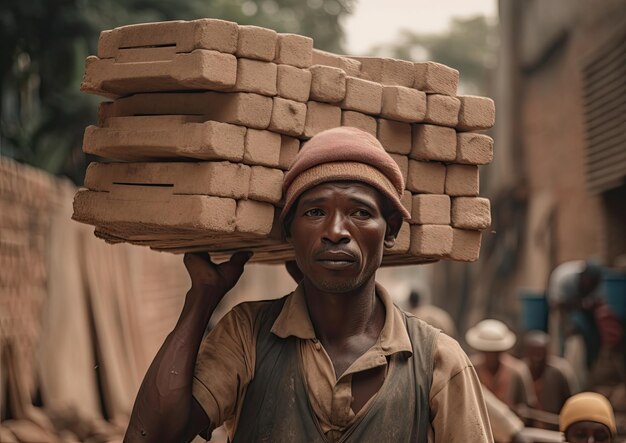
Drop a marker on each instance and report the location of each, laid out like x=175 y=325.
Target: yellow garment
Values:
x=587 y=406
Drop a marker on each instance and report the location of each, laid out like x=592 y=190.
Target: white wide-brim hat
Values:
x=490 y=336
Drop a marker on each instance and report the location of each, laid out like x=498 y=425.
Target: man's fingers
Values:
x=233 y=268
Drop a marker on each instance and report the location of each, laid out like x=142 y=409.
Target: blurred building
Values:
x=558 y=180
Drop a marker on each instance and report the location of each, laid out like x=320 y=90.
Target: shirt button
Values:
x=318 y=346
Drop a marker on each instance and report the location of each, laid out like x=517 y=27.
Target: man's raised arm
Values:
x=165 y=410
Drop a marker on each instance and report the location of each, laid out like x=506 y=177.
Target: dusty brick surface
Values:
x=394 y=136
x=162 y=137
x=387 y=71
x=256 y=43
x=359 y=120
x=239 y=108
x=462 y=180
x=142 y=211
x=265 y=184
x=254 y=217
x=476 y=113
x=426 y=177
x=442 y=110
x=350 y=66
x=220 y=179
x=403 y=163
x=293 y=83
x=407 y=200
x=200 y=69
x=436 y=78
x=473 y=149
x=432 y=142
x=262 y=148
x=321 y=116
x=465 y=245
x=256 y=76
x=431 y=240
x=295 y=50
x=471 y=213
x=289 y=147
x=403 y=104
x=288 y=117
x=185 y=36
x=328 y=84
x=430 y=209
x=362 y=96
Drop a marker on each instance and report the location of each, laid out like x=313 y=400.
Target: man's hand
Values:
x=212 y=280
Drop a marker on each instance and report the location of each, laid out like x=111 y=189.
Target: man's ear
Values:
x=394 y=223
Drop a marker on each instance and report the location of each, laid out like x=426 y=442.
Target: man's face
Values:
x=338 y=233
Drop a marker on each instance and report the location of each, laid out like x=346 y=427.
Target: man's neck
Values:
x=339 y=316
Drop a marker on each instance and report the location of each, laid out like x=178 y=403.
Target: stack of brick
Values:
x=207 y=115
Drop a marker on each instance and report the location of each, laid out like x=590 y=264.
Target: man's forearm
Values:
x=163 y=406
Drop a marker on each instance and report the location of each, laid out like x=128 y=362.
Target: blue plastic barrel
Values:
x=614 y=291
x=534 y=310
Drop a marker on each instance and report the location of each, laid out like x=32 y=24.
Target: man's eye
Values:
x=362 y=213
x=315 y=212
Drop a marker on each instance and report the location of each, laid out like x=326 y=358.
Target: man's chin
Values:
x=337 y=286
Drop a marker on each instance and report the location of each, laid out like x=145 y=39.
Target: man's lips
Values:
x=335 y=259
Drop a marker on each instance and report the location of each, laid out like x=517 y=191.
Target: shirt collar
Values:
x=294 y=320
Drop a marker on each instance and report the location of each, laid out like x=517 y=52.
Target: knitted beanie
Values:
x=343 y=154
x=587 y=406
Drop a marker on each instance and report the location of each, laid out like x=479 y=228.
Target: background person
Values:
x=588 y=418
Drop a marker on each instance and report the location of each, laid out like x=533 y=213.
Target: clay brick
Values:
x=288 y=117
x=265 y=184
x=394 y=136
x=407 y=200
x=432 y=142
x=219 y=179
x=289 y=148
x=442 y=110
x=214 y=34
x=471 y=213
x=359 y=120
x=462 y=180
x=293 y=83
x=254 y=217
x=476 y=113
x=161 y=137
x=431 y=240
x=403 y=240
x=256 y=43
x=321 y=116
x=430 y=209
x=200 y=69
x=262 y=148
x=256 y=76
x=426 y=177
x=473 y=149
x=436 y=78
x=403 y=163
x=362 y=96
x=351 y=66
x=239 y=108
x=387 y=71
x=328 y=84
x=192 y=212
x=295 y=50
x=403 y=104
x=465 y=245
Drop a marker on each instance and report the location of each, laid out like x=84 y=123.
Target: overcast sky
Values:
x=378 y=21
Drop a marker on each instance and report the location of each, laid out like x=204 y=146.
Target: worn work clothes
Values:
x=227 y=360
x=511 y=384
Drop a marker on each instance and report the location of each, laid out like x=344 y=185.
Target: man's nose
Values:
x=335 y=230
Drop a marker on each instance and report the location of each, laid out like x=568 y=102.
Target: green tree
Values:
x=43 y=44
x=469 y=46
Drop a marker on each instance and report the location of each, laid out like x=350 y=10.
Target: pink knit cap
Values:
x=343 y=154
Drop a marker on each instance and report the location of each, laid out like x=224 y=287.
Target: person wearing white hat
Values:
x=507 y=377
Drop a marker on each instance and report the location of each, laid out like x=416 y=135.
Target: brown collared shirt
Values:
x=226 y=363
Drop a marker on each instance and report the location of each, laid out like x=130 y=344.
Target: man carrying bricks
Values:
x=335 y=360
